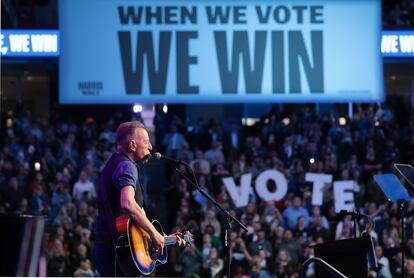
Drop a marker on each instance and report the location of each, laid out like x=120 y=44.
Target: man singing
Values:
x=120 y=192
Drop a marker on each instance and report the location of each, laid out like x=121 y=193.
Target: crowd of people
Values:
x=53 y=170
x=397 y=13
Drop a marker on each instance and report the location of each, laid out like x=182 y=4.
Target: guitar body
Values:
x=135 y=253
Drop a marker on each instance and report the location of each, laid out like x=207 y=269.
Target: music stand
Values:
x=395 y=192
x=407 y=171
x=392 y=188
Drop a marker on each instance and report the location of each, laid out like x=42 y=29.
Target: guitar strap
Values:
x=144 y=204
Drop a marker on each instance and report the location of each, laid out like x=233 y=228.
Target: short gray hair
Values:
x=126 y=130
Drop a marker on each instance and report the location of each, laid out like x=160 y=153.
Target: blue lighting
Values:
x=397 y=43
x=29 y=43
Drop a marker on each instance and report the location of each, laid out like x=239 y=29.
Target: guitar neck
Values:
x=170 y=240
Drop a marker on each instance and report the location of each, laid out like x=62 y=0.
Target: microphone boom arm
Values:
x=228 y=218
x=205 y=194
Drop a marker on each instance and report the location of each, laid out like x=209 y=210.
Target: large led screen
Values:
x=220 y=51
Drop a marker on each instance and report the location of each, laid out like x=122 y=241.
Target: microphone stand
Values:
x=402 y=209
x=228 y=219
x=355 y=217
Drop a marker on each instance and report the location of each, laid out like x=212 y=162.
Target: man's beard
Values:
x=146 y=158
x=143 y=160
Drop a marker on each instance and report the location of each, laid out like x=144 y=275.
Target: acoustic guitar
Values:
x=135 y=252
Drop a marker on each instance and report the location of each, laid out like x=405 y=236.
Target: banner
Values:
x=220 y=52
x=29 y=43
x=397 y=44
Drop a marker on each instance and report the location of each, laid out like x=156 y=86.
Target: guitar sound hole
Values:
x=154 y=253
x=151 y=249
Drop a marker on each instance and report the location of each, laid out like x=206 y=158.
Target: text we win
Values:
x=257 y=57
x=397 y=44
x=40 y=43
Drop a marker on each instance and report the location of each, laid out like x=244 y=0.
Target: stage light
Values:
x=286 y=121
x=9 y=122
x=312 y=160
x=37 y=166
x=165 y=108
x=250 y=121
x=342 y=121
x=137 y=108
x=377 y=123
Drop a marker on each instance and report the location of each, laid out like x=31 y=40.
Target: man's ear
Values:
x=132 y=145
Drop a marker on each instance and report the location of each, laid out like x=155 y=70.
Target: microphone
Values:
x=158 y=156
x=358 y=216
x=354 y=214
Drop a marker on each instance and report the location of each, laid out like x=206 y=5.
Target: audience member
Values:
x=51 y=169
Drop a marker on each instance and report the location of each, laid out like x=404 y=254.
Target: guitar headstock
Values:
x=180 y=239
x=188 y=238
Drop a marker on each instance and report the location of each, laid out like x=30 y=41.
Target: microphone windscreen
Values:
x=343 y=212
x=156 y=155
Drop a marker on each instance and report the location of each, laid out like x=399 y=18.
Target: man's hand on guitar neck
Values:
x=179 y=238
